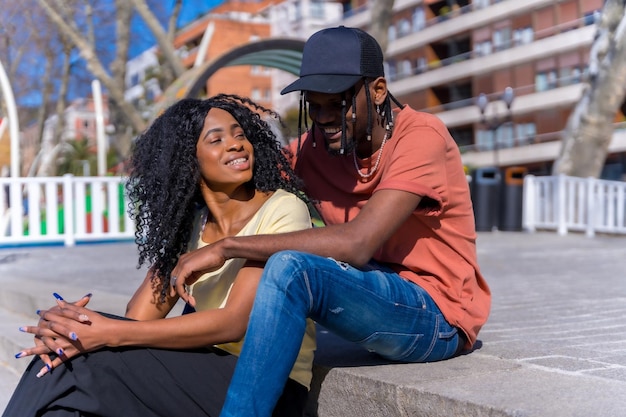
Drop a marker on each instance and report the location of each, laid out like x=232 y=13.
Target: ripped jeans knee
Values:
x=372 y=306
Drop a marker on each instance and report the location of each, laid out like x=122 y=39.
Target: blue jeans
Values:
x=372 y=306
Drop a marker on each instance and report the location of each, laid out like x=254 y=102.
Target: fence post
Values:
x=590 y=207
x=16 y=206
x=68 y=209
x=561 y=207
x=529 y=198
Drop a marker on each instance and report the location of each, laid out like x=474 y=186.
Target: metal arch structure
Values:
x=282 y=53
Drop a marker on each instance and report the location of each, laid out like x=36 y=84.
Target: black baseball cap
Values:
x=335 y=59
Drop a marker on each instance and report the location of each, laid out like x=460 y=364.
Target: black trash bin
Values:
x=485 y=190
x=512 y=199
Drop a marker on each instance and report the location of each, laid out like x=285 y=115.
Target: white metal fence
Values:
x=565 y=204
x=68 y=209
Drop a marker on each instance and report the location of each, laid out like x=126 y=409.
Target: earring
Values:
x=378 y=109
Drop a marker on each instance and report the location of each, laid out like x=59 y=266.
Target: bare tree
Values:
x=164 y=39
x=32 y=47
x=58 y=12
x=589 y=129
x=127 y=119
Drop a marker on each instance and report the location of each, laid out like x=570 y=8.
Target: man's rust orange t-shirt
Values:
x=436 y=247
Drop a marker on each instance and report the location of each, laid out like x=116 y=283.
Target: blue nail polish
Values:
x=19 y=355
x=37 y=312
x=57 y=296
x=49 y=367
x=22 y=329
x=60 y=352
x=73 y=336
x=88 y=295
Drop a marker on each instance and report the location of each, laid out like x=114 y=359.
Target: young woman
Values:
x=204 y=170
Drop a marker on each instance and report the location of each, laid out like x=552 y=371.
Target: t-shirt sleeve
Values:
x=286 y=213
x=418 y=165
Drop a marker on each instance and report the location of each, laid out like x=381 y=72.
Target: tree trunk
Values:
x=589 y=129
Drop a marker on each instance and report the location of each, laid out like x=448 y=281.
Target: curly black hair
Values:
x=164 y=180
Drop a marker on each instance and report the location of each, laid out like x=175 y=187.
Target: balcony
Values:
x=471 y=65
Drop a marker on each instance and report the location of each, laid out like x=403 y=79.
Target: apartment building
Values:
x=226 y=27
x=236 y=23
x=443 y=54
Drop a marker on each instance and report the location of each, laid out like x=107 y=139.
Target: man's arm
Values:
x=353 y=242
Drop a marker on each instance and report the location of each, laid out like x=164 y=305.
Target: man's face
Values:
x=325 y=111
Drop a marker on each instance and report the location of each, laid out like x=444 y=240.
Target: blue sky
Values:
x=190 y=11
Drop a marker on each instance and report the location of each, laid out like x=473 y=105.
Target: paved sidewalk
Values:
x=555 y=344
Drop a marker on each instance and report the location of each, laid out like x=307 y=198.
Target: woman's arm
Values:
x=145 y=303
x=93 y=331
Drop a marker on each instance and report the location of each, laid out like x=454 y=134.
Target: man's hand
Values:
x=191 y=266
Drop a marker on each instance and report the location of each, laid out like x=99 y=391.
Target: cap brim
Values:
x=321 y=83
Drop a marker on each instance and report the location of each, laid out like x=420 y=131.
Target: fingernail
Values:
x=37 y=312
x=57 y=296
x=83 y=317
x=60 y=352
x=22 y=329
x=19 y=355
x=42 y=372
x=73 y=336
x=88 y=295
x=48 y=367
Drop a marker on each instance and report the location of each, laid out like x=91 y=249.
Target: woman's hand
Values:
x=191 y=266
x=67 y=330
x=42 y=342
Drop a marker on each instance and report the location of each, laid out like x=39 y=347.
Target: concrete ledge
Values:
x=349 y=381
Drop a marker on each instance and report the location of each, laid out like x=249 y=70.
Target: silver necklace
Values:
x=375 y=167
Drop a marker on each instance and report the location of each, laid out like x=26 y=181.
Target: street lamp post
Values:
x=496 y=121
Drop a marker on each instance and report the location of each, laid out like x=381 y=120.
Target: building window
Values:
x=404 y=28
x=525 y=133
x=505 y=137
x=502 y=39
x=546 y=80
x=484 y=140
x=256 y=94
x=483 y=48
x=523 y=36
x=421 y=65
x=419 y=19
x=404 y=69
x=569 y=76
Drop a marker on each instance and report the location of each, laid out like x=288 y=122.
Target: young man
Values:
x=395 y=268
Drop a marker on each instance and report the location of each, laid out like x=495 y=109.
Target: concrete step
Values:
x=12 y=340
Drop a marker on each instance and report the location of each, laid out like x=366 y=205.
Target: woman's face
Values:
x=225 y=156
